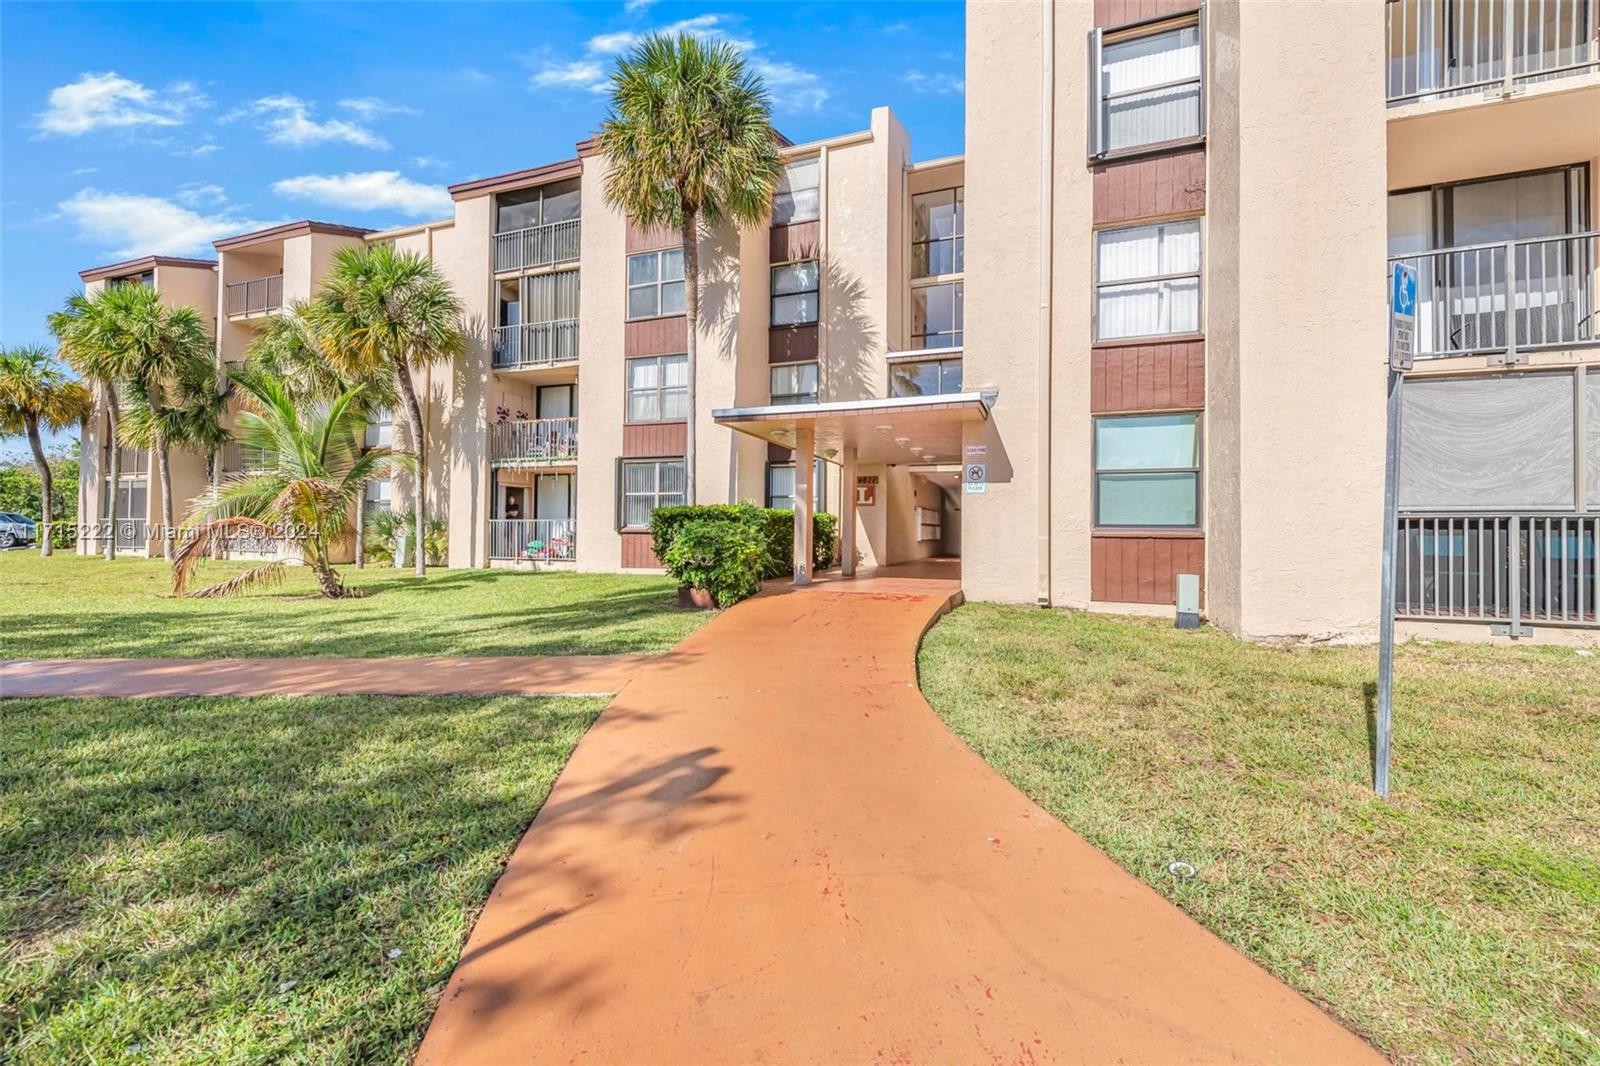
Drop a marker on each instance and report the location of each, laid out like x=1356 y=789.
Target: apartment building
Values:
x=1163 y=365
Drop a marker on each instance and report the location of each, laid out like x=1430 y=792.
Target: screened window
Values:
x=939 y=228
x=1147 y=470
x=794 y=383
x=780 y=486
x=655 y=283
x=647 y=485
x=378 y=496
x=1148 y=280
x=380 y=430
x=148 y=278
x=930 y=377
x=1147 y=90
x=797 y=198
x=794 y=293
x=936 y=315
x=544 y=205
x=658 y=388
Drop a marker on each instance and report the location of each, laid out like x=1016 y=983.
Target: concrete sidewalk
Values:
x=769 y=849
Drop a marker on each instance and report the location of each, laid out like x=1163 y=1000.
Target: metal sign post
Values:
x=1402 y=356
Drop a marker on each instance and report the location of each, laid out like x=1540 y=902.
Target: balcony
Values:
x=536 y=442
x=536 y=246
x=1511 y=297
x=533 y=539
x=259 y=297
x=535 y=344
x=1439 y=48
x=244 y=459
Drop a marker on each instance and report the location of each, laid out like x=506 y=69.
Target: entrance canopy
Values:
x=902 y=429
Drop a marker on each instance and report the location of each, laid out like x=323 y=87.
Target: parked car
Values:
x=16 y=529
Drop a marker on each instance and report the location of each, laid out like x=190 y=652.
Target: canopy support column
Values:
x=805 y=464
x=847 y=516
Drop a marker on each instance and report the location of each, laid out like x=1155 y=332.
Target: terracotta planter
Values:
x=697 y=598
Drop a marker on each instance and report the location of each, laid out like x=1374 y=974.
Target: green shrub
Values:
x=774 y=525
x=721 y=555
x=386 y=526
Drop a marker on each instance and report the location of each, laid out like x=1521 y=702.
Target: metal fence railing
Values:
x=533 y=441
x=1443 y=47
x=537 y=539
x=255 y=297
x=1524 y=570
x=245 y=459
x=536 y=246
x=535 y=344
x=1508 y=296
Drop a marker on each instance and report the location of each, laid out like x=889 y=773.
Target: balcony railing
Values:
x=255 y=297
x=1507 y=297
x=243 y=459
x=536 y=246
x=1523 y=570
x=1443 y=47
x=536 y=539
x=533 y=442
x=535 y=344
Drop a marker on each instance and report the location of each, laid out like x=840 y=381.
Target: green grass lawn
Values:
x=71 y=606
x=1459 y=921
x=253 y=880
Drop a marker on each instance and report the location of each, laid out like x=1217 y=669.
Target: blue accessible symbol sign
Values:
x=1402 y=316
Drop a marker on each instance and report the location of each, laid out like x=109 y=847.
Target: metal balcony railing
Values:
x=1443 y=47
x=533 y=441
x=1519 y=569
x=243 y=459
x=535 y=344
x=536 y=246
x=256 y=297
x=537 y=539
x=1510 y=297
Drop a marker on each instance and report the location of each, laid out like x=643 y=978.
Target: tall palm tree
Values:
x=34 y=391
x=191 y=418
x=385 y=314
x=316 y=473
x=87 y=329
x=689 y=140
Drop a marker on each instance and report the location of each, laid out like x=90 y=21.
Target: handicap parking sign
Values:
x=1402 y=316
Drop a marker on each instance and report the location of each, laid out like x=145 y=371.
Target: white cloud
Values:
x=579 y=74
x=635 y=7
x=428 y=162
x=288 y=120
x=708 y=27
x=105 y=101
x=934 y=84
x=371 y=190
x=195 y=193
x=371 y=107
x=792 y=88
x=127 y=224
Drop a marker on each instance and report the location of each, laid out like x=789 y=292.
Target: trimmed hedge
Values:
x=721 y=555
x=774 y=524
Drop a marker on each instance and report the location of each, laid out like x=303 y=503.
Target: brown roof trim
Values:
x=567 y=168
x=139 y=266
x=287 y=230
x=589 y=147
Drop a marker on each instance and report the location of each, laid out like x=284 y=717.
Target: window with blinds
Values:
x=1146 y=87
x=1147 y=280
x=550 y=297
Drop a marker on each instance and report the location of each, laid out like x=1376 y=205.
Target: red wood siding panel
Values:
x=641 y=439
x=1135 y=569
x=791 y=344
x=799 y=241
x=1148 y=377
x=636 y=553
x=645 y=240
x=1112 y=13
x=1151 y=186
x=656 y=336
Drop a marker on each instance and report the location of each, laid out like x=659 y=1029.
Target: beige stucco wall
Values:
x=601 y=312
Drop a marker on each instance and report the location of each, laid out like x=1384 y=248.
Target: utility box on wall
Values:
x=1188 y=597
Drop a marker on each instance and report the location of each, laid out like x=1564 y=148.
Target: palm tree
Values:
x=34 y=391
x=689 y=139
x=191 y=419
x=317 y=471
x=88 y=328
x=384 y=314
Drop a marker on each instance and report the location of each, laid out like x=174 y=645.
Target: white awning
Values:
x=901 y=429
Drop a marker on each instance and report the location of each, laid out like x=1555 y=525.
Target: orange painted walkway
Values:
x=517 y=675
x=769 y=849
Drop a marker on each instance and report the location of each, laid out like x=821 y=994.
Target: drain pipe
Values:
x=1047 y=122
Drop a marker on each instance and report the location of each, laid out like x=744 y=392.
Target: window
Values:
x=380 y=430
x=928 y=377
x=1147 y=470
x=147 y=279
x=550 y=297
x=797 y=198
x=936 y=315
x=647 y=485
x=1148 y=280
x=793 y=383
x=794 y=293
x=780 y=486
x=655 y=283
x=544 y=205
x=658 y=388
x=1146 y=89
x=938 y=239
x=378 y=496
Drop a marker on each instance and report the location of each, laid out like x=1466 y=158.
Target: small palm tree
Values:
x=88 y=329
x=34 y=391
x=317 y=471
x=384 y=314
x=689 y=139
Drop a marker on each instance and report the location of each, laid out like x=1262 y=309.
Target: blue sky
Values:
x=131 y=129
